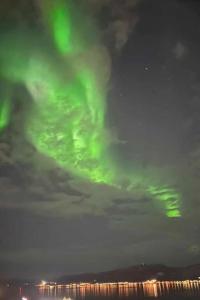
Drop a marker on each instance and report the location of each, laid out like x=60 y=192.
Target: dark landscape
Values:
x=138 y=274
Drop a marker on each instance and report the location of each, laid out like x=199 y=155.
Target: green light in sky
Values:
x=68 y=121
x=175 y=213
x=68 y=124
x=60 y=22
x=4 y=113
x=170 y=198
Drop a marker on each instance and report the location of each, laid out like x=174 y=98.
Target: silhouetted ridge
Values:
x=137 y=273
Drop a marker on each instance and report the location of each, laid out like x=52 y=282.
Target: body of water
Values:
x=169 y=290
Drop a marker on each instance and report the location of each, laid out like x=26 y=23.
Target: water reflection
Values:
x=141 y=290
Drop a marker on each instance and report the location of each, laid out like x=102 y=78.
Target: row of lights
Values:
x=44 y=283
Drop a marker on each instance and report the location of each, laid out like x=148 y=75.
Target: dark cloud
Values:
x=120 y=211
x=77 y=246
x=129 y=201
x=117 y=19
x=180 y=50
x=19 y=12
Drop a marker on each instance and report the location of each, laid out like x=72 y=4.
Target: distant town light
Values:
x=43 y=282
x=152 y=281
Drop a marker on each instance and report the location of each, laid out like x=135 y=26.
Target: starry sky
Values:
x=53 y=222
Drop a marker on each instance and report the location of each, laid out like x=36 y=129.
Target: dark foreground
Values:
x=168 y=290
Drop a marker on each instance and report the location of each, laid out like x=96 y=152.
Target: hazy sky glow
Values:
x=99 y=160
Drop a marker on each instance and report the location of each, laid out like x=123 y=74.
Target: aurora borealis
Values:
x=4 y=114
x=99 y=135
x=68 y=120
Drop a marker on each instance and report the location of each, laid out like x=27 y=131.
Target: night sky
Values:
x=53 y=222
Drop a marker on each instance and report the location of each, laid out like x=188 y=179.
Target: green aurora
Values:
x=4 y=114
x=67 y=122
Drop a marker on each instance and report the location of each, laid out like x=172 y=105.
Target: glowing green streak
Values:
x=61 y=26
x=4 y=114
x=69 y=121
x=174 y=213
x=169 y=197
